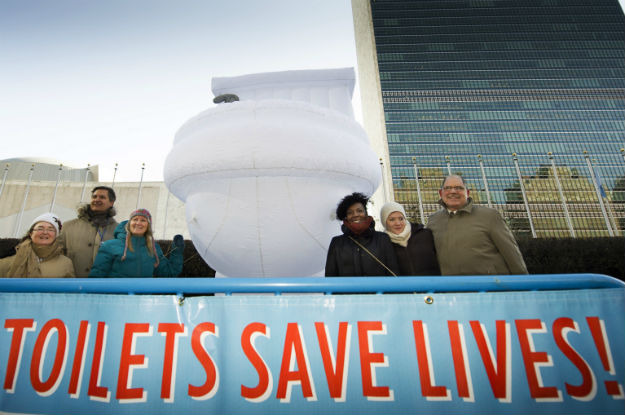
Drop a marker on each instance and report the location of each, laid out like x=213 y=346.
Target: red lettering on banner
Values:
x=295 y=352
x=426 y=370
x=210 y=387
x=97 y=392
x=48 y=387
x=335 y=368
x=497 y=369
x=128 y=360
x=262 y=391
x=599 y=336
x=533 y=360
x=369 y=361
x=171 y=331
x=19 y=327
x=588 y=388
x=464 y=382
x=75 y=379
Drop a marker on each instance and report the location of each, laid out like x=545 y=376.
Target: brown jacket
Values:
x=59 y=266
x=82 y=239
x=475 y=241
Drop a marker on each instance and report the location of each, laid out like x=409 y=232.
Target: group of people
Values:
x=93 y=245
x=460 y=239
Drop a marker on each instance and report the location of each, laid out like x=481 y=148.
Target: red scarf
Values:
x=358 y=228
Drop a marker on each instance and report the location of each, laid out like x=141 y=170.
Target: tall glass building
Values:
x=524 y=99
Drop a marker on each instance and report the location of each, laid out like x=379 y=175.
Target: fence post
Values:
x=56 y=187
x=140 y=185
x=384 y=190
x=562 y=198
x=84 y=184
x=490 y=204
x=4 y=178
x=522 y=185
x=18 y=222
x=114 y=175
x=416 y=179
x=598 y=191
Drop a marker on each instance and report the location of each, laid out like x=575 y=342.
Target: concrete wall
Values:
x=20 y=203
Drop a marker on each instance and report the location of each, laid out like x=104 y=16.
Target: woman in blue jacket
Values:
x=134 y=253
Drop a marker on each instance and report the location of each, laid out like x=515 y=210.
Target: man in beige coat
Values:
x=95 y=224
x=471 y=239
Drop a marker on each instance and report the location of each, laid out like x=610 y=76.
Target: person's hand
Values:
x=179 y=242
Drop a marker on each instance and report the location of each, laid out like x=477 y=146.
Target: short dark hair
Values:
x=110 y=191
x=349 y=200
x=454 y=175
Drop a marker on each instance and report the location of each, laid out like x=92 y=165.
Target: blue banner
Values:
x=547 y=352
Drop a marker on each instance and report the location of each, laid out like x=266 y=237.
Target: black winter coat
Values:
x=419 y=257
x=346 y=259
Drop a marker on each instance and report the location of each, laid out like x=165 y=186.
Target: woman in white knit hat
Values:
x=39 y=254
x=413 y=243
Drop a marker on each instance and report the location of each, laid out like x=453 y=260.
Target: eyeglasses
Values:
x=39 y=229
x=456 y=188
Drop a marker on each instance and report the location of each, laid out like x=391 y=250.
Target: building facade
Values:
x=524 y=99
x=30 y=187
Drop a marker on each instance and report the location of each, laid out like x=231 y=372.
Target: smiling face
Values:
x=395 y=222
x=454 y=193
x=356 y=213
x=100 y=201
x=43 y=233
x=138 y=226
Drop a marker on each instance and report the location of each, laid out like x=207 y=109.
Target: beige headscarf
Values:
x=401 y=238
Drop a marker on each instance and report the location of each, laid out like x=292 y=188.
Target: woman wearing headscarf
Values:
x=360 y=250
x=134 y=253
x=39 y=254
x=413 y=243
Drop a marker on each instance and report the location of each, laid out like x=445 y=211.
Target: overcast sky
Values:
x=100 y=82
x=111 y=81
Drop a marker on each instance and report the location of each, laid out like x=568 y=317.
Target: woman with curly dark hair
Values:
x=361 y=250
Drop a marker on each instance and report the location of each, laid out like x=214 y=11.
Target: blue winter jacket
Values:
x=108 y=262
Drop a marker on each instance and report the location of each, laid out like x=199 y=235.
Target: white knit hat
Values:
x=51 y=218
x=389 y=208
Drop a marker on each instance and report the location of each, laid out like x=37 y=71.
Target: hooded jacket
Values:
x=346 y=259
x=138 y=263
x=82 y=239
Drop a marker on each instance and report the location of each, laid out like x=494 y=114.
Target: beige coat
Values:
x=58 y=267
x=82 y=239
x=475 y=241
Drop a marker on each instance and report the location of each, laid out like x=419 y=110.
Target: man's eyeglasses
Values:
x=456 y=188
x=42 y=230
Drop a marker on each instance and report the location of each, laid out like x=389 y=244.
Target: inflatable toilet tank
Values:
x=261 y=173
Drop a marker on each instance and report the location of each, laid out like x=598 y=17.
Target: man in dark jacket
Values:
x=95 y=224
x=361 y=250
x=471 y=239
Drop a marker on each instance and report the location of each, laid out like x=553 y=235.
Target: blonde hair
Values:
x=149 y=238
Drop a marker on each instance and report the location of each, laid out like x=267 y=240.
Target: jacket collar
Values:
x=466 y=208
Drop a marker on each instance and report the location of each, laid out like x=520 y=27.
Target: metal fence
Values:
x=538 y=195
